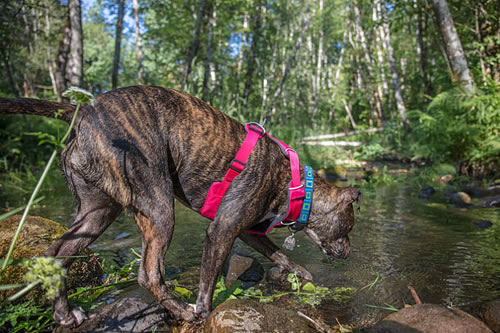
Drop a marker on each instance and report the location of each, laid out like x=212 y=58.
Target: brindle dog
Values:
x=138 y=148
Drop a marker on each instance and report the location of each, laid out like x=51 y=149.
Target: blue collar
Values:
x=306 y=206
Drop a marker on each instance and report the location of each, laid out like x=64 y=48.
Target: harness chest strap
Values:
x=296 y=193
x=218 y=189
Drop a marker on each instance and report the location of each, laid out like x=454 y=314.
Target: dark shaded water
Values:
x=398 y=238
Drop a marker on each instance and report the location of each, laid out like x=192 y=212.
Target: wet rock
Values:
x=237 y=266
x=251 y=316
x=426 y=192
x=250 y=276
x=481 y=192
x=135 y=311
x=461 y=199
x=490 y=313
x=278 y=279
x=489 y=202
x=37 y=235
x=442 y=180
x=430 y=318
x=483 y=224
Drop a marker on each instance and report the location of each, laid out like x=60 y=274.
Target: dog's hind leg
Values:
x=96 y=212
x=263 y=244
x=154 y=215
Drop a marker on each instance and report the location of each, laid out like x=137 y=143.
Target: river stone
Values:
x=250 y=316
x=237 y=266
x=430 y=318
x=490 y=202
x=37 y=235
x=461 y=199
x=490 y=312
x=136 y=310
x=483 y=224
x=426 y=192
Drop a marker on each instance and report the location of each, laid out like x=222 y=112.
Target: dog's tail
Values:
x=37 y=107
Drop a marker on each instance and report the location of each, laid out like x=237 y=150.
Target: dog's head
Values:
x=332 y=218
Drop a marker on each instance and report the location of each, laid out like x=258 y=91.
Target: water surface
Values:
x=398 y=239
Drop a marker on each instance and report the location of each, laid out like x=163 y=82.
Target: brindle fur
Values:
x=139 y=147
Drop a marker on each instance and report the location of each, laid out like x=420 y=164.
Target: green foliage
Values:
x=459 y=127
x=46 y=272
x=307 y=293
x=25 y=317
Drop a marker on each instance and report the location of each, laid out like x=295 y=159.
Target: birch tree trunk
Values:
x=138 y=42
x=62 y=58
x=338 y=70
x=319 y=61
x=380 y=58
x=277 y=93
x=194 y=43
x=453 y=46
x=118 y=44
x=392 y=65
x=208 y=59
x=252 y=54
x=370 y=80
x=50 y=61
x=76 y=44
x=421 y=19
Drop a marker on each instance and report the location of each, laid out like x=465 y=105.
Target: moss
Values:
x=37 y=235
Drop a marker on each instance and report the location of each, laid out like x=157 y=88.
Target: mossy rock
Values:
x=37 y=235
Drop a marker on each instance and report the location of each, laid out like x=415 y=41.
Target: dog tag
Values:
x=289 y=242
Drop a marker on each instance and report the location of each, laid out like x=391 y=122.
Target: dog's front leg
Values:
x=264 y=245
x=220 y=238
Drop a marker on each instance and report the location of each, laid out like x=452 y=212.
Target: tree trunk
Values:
x=118 y=43
x=76 y=45
x=337 y=71
x=252 y=54
x=194 y=44
x=370 y=80
x=379 y=40
x=453 y=46
x=277 y=93
x=50 y=62
x=319 y=63
x=208 y=59
x=62 y=58
x=481 y=51
x=421 y=19
x=8 y=71
x=392 y=65
x=138 y=41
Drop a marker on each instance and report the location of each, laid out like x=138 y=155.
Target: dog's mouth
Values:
x=339 y=248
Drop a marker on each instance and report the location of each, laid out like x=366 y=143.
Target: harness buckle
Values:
x=258 y=128
x=234 y=164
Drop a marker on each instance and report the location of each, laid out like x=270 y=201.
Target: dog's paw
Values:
x=302 y=273
x=74 y=319
x=78 y=316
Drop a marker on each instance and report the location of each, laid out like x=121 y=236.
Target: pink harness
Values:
x=296 y=192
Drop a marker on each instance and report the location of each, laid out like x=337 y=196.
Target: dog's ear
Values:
x=351 y=194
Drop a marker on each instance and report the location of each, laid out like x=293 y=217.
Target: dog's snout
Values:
x=342 y=248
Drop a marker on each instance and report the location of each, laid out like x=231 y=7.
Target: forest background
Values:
x=416 y=78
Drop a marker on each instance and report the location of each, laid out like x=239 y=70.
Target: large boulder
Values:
x=430 y=318
x=36 y=236
x=250 y=316
x=490 y=312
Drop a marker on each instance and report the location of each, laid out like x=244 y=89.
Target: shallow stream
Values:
x=398 y=240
